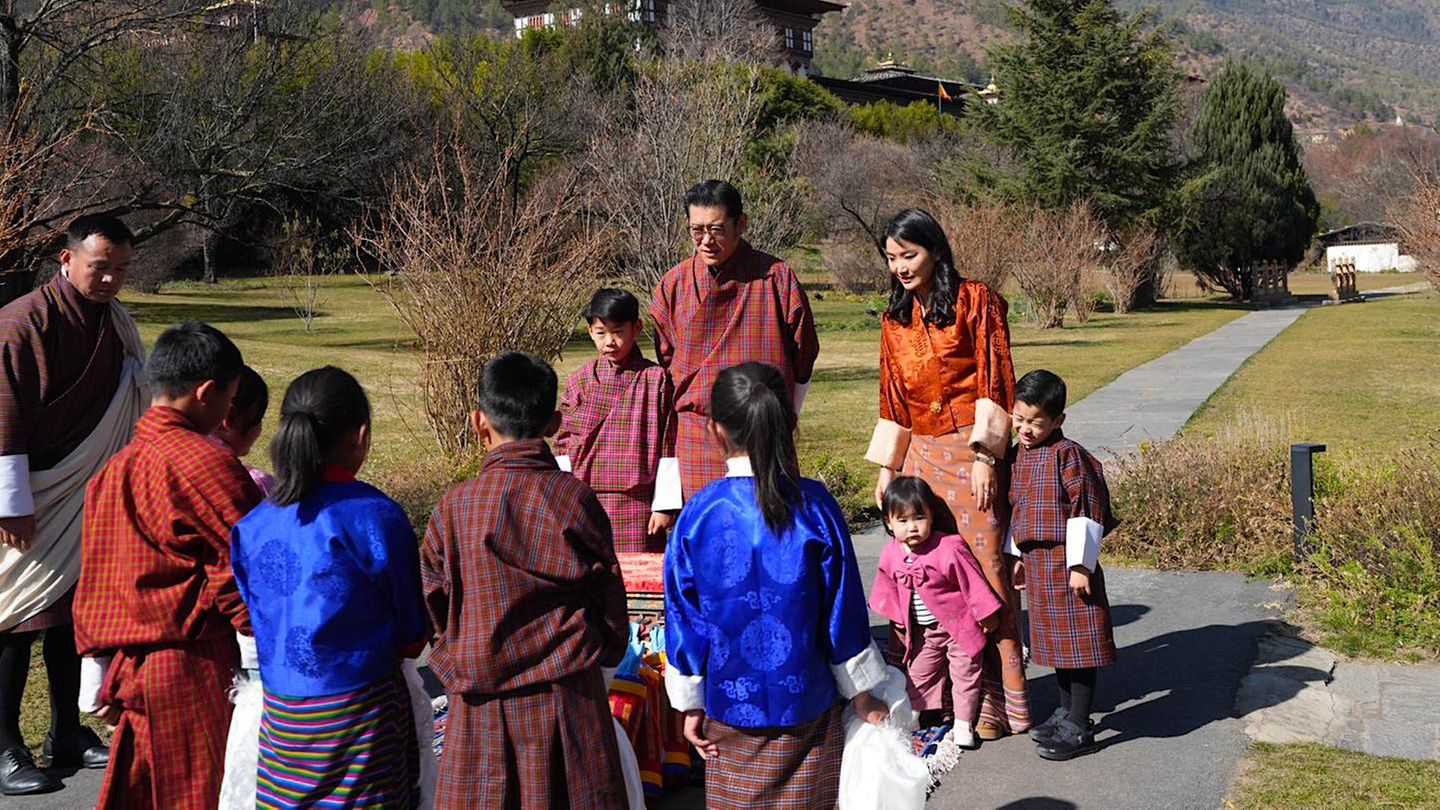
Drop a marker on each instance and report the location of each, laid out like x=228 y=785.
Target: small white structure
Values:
x=1370 y=247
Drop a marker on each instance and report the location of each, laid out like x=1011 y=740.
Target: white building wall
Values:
x=1368 y=258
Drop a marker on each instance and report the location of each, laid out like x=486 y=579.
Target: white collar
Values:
x=739 y=467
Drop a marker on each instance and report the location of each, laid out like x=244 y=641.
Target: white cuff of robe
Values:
x=1010 y=547
x=249 y=657
x=1082 y=543
x=862 y=673
x=563 y=462
x=888 y=445
x=991 y=432
x=801 y=389
x=686 y=692
x=16 y=497
x=92 y=678
x=669 y=496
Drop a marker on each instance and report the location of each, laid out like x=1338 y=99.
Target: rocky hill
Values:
x=1345 y=60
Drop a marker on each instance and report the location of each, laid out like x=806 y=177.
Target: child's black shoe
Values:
x=1067 y=742
x=1042 y=732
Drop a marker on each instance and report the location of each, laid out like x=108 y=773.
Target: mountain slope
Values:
x=1344 y=60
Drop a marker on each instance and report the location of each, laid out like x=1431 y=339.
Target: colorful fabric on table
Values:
x=944 y=462
x=354 y=749
x=333 y=586
x=632 y=701
x=617 y=422
x=169 y=749
x=752 y=308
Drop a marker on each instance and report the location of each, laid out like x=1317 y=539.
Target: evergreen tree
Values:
x=1248 y=200
x=1088 y=104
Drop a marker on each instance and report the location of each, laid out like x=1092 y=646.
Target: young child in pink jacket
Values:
x=930 y=586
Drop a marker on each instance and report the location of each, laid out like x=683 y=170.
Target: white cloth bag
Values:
x=879 y=769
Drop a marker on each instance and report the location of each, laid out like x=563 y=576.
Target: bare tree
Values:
x=475 y=272
x=1418 y=217
x=985 y=237
x=300 y=264
x=687 y=122
x=719 y=31
x=1132 y=263
x=857 y=182
x=1053 y=255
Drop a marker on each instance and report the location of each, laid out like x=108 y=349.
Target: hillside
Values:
x=1344 y=60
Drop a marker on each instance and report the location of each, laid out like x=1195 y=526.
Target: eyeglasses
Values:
x=699 y=232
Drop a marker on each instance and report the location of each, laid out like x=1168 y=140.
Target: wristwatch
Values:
x=987 y=460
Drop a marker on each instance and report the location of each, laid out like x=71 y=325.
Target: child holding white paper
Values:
x=1060 y=511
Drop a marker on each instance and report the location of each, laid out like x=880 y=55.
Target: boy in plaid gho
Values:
x=1060 y=512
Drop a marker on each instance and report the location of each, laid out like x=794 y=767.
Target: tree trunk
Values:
x=9 y=63
x=207 y=255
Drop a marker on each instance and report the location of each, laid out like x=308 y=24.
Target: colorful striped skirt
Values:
x=355 y=749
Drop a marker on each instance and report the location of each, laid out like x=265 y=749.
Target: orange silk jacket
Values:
x=932 y=378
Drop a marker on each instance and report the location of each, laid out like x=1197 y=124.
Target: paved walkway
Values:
x=1150 y=403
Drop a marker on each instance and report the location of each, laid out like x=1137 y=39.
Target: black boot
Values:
x=20 y=777
x=1042 y=732
x=1067 y=741
x=80 y=748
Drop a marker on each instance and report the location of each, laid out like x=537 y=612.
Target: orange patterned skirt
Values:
x=944 y=463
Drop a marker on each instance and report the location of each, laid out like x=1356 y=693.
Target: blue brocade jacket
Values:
x=764 y=630
x=333 y=587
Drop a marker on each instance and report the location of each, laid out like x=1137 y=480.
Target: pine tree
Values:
x=1248 y=200
x=1088 y=104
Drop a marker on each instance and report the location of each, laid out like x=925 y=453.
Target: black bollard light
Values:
x=1302 y=492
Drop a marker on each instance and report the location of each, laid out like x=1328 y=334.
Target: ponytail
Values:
x=751 y=403
x=321 y=407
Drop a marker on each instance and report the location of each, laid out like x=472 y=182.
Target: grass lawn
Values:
x=1361 y=379
x=1282 y=777
x=1184 y=286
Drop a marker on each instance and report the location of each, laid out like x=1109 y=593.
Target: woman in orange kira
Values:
x=946 y=389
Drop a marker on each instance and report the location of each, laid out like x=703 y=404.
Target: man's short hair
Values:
x=1044 y=390
x=82 y=228
x=615 y=306
x=517 y=395
x=715 y=194
x=189 y=354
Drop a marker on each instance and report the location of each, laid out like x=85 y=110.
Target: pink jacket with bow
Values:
x=950 y=583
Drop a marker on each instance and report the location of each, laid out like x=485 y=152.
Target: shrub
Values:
x=1372 y=582
x=856 y=267
x=851 y=489
x=1207 y=502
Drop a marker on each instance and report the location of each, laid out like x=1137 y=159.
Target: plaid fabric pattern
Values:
x=617 y=422
x=155 y=548
x=752 y=308
x=168 y=752
x=1051 y=484
x=779 y=769
x=944 y=462
x=60 y=362
x=549 y=746
x=520 y=579
x=931 y=377
x=1065 y=631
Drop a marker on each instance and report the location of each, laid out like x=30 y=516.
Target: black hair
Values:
x=751 y=403
x=517 y=395
x=906 y=495
x=321 y=407
x=189 y=354
x=1044 y=390
x=84 y=227
x=920 y=228
x=615 y=306
x=715 y=194
x=252 y=398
